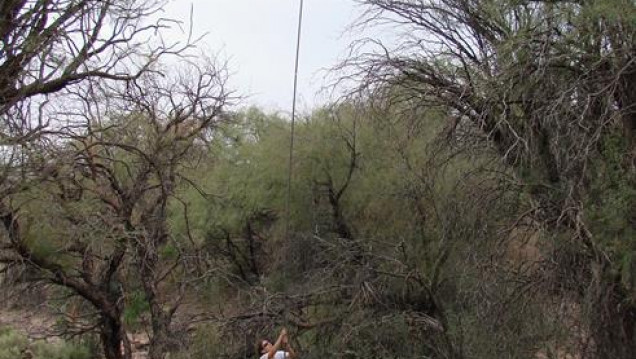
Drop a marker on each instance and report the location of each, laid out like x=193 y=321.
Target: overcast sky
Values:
x=258 y=38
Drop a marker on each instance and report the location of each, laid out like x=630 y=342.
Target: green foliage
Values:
x=209 y=341
x=168 y=252
x=136 y=306
x=610 y=209
x=390 y=336
x=13 y=345
x=60 y=351
x=403 y=197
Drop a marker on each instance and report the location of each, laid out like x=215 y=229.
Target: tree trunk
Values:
x=341 y=226
x=160 y=318
x=160 y=341
x=614 y=321
x=114 y=339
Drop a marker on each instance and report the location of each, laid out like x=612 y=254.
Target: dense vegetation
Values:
x=473 y=196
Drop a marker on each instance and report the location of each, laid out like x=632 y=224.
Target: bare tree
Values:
x=52 y=52
x=116 y=169
x=47 y=46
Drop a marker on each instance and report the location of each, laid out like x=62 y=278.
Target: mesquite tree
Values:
x=93 y=138
x=114 y=173
x=548 y=86
x=47 y=46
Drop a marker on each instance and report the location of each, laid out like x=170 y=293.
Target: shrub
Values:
x=14 y=344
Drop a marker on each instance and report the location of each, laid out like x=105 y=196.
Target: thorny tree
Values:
x=549 y=85
x=49 y=45
x=112 y=179
x=103 y=170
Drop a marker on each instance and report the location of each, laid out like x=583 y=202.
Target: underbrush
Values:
x=15 y=345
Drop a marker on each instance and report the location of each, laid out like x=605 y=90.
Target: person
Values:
x=267 y=350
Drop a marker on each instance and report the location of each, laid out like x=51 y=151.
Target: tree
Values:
x=114 y=175
x=546 y=85
x=56 y=59
x=48 y=46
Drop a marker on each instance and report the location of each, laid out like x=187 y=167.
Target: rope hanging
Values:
x=293 y=120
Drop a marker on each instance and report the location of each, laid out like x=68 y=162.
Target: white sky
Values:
x=258 y=38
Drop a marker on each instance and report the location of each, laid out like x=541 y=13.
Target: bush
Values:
x=11 y=344
x=14 y=344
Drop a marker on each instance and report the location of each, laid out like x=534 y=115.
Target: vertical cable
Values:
x=293 y=120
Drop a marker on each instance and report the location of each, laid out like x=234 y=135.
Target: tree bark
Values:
x=114 y=339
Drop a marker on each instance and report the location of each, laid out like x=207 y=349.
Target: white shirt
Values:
x=279 y=355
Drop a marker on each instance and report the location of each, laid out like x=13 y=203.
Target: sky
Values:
x=258 y=39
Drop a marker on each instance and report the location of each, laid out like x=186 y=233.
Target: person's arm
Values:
x=290 y=353
x=274 y=348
